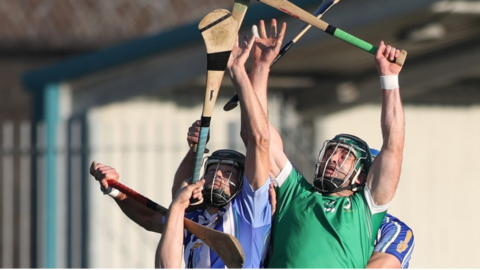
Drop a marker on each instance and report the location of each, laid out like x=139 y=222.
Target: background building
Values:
x=120 y=82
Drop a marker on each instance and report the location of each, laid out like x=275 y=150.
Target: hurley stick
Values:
x=292 y=10
x=219 y=31
x=238 y=13
x=322 y=9
x=239 y=10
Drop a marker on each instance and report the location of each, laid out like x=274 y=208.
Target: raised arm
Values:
x=385 y=172
x=170 y=248
x=265 y=49
x=143 y=216
x=254 y=118
x=185 y=168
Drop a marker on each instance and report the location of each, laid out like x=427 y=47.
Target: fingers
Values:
x=263 y=33
x=197 y=123
x=255 y=31
x=273 y=28
x=186 y=182
x=385 y=60
x=92 y=167
x=387 y=51
x=250 y=42
x=193 y=133
x=102 y=173
x=194 y=190
x=240 y=56
x=390 y=53
x=189 y=191
x=197 y=189
x=380 y=50
x=394 y=53
x=104 y=183
x=276 y=38
x=280 y=36
x=195 y=127
x=273 y=198
x=105 y=172
x=282 y=31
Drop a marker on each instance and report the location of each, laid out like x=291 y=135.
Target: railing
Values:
x=15 y=184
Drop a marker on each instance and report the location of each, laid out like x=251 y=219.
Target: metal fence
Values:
x=16 y=203
x=46 y=221
x=28 y=212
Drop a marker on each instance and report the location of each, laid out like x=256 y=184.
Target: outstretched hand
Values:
x=385 y=60
x=267 y=47
x=240 y=53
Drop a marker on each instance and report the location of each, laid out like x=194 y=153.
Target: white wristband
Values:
x=110 y=191
x=114 y=193
x=389 y=82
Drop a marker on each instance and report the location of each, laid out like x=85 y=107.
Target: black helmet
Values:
x=215 y=196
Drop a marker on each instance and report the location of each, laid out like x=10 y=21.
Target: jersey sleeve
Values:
x=396 y=238
x=377 y=211
x=255 y=204
x=290 y=184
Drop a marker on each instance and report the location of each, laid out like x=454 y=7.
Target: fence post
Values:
x=25 y=199
x=8 y=200
x=51 y=101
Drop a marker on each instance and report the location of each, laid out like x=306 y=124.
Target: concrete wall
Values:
x=437 y=193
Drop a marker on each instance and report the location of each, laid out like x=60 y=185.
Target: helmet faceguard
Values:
x=352 y=146
x=216 y=196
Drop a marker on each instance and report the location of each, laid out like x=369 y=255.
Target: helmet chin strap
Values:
x=330 y=185
x=327 y=185
x=353 y=187
x=215 y=197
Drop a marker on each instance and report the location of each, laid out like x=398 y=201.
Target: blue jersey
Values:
x=248 y=217
x=395 y=238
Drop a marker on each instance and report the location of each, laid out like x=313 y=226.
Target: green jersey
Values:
x=312 y=230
